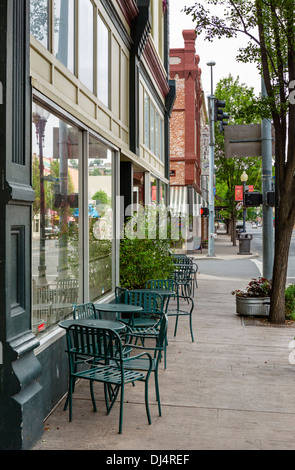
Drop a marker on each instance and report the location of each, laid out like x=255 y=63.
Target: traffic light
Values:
x=204 y=211
x=252 y=199
x=270 y=198
x=219 y=114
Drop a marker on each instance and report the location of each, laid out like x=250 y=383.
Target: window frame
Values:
x=59 y=112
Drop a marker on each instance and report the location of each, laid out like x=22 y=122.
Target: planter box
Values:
x=252 y=306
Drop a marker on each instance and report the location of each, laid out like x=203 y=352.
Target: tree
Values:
x=241 y=104
x=269 y=25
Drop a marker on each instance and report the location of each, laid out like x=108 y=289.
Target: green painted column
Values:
x=20 y=392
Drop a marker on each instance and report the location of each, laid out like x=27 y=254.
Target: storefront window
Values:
x=153 y=189
x=64 y=32
x=57 y=150
x=86 y=45
x=102 y=62
x=146 y=120
x=100 y=219
x=162 y=193
x=138 y=187
x=39 y=20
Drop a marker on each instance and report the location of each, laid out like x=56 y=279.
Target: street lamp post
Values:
x=40 y=117
x=244 y=179
x=211 y=248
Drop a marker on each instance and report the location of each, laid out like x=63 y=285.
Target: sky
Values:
x=221 y=51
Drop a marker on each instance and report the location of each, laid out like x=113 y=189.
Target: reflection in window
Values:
x=102 y=62
x=138 y=187
x=152 y=121
x=153 y=189
x=64 y=37
x=100 y=190
x=55 y=263
x=86 y=46
x=39 y=20
x=146 y=120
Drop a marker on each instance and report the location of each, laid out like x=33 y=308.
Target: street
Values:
x=256 y=246
x=245 y=268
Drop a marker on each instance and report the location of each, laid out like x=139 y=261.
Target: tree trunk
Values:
x=282 y=244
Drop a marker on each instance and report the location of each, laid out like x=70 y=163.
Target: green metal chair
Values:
x=156 y=351
x=85 y=311
x=104 y=348
x=182 y=275
x=177 y=310
x=152 y=310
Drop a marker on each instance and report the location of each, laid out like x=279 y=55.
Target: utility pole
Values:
x=211 y=101
x=267 y=211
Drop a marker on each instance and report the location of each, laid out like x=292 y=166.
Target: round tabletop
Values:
x=164 y=292
x=111 y=325
x=118 y=308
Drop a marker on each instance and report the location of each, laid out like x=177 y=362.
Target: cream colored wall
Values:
x=52 y=79
x=158 y=26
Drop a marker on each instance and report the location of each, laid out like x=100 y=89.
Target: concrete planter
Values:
x=252 y=306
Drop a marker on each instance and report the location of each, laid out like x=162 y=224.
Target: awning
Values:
x=178 y=199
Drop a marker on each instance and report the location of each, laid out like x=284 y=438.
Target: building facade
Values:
x=89 y=107
x=187 y=137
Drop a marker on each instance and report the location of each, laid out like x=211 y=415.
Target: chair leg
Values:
x=121 y=409
x=72 y=380
x=92 y=396
x=176 y=324
x=147 y=401
x=191 y=327
x=158 y=391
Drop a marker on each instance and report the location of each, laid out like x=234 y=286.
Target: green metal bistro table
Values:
x=112 y=325
x=118 y=309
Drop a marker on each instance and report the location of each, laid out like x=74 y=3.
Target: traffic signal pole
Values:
x=267 y=211
x=211 y=245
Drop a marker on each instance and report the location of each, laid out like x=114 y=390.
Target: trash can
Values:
x=239 y=229
x=244 y=243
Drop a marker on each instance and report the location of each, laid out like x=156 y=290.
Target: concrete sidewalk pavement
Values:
x=230 y=389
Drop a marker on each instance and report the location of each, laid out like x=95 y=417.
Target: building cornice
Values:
x=129 y=9
x=156 y=68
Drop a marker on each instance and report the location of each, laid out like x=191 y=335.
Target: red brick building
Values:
x=188 y=118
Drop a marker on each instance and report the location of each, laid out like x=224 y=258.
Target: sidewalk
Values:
x=230 y=389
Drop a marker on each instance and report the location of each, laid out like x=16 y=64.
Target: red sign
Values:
x=238 y=193
x=251 y=188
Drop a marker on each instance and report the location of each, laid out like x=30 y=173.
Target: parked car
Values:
x=51 y=232
x=254 y=225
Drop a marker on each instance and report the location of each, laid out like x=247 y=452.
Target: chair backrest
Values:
x=151 y=303
x=121 y=294
x=161 y=338
x=167 y=284
x=95 y=342
x=85 y=311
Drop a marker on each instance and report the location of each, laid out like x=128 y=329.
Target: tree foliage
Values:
x=241 y=104
x=269 y=26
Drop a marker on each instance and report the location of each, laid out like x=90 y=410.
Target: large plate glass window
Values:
x=56 y=264
x=102 y=62
x=64 y=32
x=100 y=219
x=39 y=21
x=86 y=43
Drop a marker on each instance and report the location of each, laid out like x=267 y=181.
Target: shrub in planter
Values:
x=255 y=299
x=144 y=252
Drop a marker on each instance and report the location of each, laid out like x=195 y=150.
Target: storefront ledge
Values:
x=55 y=334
